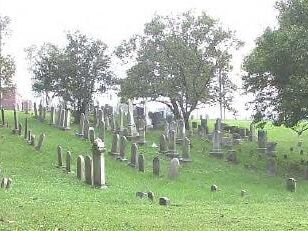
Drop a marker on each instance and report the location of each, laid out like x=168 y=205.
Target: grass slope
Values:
x=44 y=197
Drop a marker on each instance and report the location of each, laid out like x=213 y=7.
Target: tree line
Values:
x=184 y=61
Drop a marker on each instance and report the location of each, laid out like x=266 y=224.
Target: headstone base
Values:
x=172 y=154
x=217 y=153
x=262 y=150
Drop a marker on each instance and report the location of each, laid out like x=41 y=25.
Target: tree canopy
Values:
x=74 y=73
x=277 y=70
x=7 y=63
x=177 y=61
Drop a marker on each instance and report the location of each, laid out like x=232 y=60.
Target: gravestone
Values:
x=32 y=140
x=262 y=140
x=2 y=117
x=44 y=114
x=172 y=152
x=62 y=119
x=15 y=130
x=141 y=163
x=81 y=125
x=180 y=132
x=141 y=139
x=272 y=167
x=131 y=126
x=86 y=129
x=156 y=166
x=98 y=149
x=80 y=168
x=29 y=136
x=216 y=151
x=60 y=156
x=134 y=156
x=58 y=122
x=232 y=158
x=218 y=125
x=19 y=129
x=306 y=171
x=123 y=143
x=163 y=145
x=101 y=130
x=26 y=128
x=100 y=117
x=252 y=136
x=52 y=116
x=40 y=109
x=115 y=147
x=40 y=142
x=271 y=149
x=35 y=110
x=166 y=126
x=186 y=150
x=67 y=120
x=120 y=121
x=68 y=161
x=164 y=201
x=174 y=168
x=91 y=134
x=88 y=170
x=291 y=185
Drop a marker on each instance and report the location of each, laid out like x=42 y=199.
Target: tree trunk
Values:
x=186 y=120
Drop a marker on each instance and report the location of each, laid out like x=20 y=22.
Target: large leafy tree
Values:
x=277 y=70
x=7 y=64
x=74 y=73
x=177 y=61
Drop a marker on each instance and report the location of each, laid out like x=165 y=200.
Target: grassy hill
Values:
x=44 y=197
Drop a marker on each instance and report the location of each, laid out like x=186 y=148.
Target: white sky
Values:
x=38 y=21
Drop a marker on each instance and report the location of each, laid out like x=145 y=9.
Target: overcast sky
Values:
x=38 y=21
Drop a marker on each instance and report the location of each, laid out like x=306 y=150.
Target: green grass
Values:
x=44 y=197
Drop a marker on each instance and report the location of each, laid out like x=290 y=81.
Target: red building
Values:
x=10 y=99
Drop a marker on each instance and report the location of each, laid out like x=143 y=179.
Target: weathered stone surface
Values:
x=172 y=152
x=81 y=125
x=232 y=158
x=52 y=116
x=186 y=150
x=60 y=156
x=115 y=148
x=291 y=185
x=91 y=134
x=101 y=130
x=98 y=149
x=40 y=142
x=88 y=170
x=86 y=129
x=174 y=168
x=32 y=140
x=216 y=151
x=80 y=168
x=262 y=140
x=151 y=196
x=123 y=143
x=26 y=128
x=164 y=201
x=134 y=156
x=214 y=188
x=180 y=131
x=68 y=161
x=156 y=166
x=272 y=167
x=141 y=163
x=163 y=145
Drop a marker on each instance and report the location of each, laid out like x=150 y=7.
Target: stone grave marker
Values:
x=80 y=168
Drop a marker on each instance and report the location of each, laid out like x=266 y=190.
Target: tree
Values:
x=176 y=60
x=7 y=64
x=74 y=73
x=277 y=71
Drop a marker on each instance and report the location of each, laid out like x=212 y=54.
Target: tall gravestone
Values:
x=172 y=152
x=120 y=123
x=2 y=117
x=86 y=129
x=131 y=126
x=218 y=125
x=141 y=138
x=81 y=125
x=141 y=163
x=123 y=143
x=186 y=150
x=67 y=120
x=35 y=110
x=174 y=168
x=26 y=128
x=62 y=118
x=115 y=147
x=134 y=156
x=91 y=134
x=88 y=170
x=163 y=144
x=99 y=179
x=101 y=130
x=58 y=122
x=60 y=156
x=68 y=161
x=40 y=142
x=80 y=168
x=156 y=166
x=216 y=151
x=166 y=130
x=262 y=140
x=52 y=116
x=15 y=130
x=180 y=131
